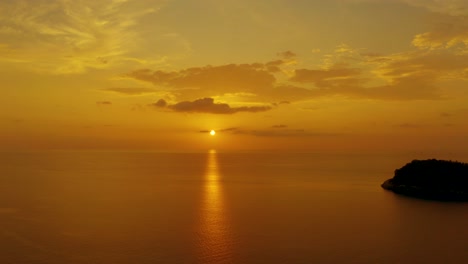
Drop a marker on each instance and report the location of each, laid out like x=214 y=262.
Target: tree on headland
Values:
x=436 y=173
x=431 y=179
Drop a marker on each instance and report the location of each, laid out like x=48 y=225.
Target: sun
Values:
x=212 y=132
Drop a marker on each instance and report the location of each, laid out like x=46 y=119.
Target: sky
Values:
x=337 y=75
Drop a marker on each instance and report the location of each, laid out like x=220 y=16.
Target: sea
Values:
x=142 y=207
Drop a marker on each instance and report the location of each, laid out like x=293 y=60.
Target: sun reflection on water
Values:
x=214 y=231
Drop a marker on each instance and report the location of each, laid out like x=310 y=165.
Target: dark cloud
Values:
x=282 y=102
x=207 y=105
x=103 y=103
x=279 y=126
x=274 y=66
x=131 y=91
x=287 y=54
x=160 y=103
x=230 y=129
x=284 y=133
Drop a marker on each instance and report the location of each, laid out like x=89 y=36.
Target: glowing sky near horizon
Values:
x=347 y=75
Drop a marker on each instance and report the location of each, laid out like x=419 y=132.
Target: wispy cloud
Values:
x=64 y=37
x=447 y=32
x=321 y=77
x=131 y=91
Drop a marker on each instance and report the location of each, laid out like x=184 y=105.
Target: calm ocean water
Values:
x=143 y=207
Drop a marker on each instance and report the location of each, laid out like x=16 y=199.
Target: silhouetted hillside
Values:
x=431 y=179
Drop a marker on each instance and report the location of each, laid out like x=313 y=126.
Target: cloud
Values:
x=447 y=32
x=287 y=54
x=426 y=66
x=346 y=72
x=281 y=133
x=131 y=91
x=273 y=132
x=279 y=126
x=407 y=76
x=64 y=37
x=281 y=103
x=229 y=129
x=104 y=103
x=160 y=103
x=207 y=105
x=255 y=82
x=211 y=80
x=285 y=133
x=403 y=82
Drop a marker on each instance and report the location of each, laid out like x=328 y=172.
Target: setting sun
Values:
x=212 y=132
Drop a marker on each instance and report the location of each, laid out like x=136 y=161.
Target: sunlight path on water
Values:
x=214 y=233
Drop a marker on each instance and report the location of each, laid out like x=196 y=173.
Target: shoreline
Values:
x=425 y=193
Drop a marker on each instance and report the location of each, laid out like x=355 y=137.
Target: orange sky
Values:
x=337 y=75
